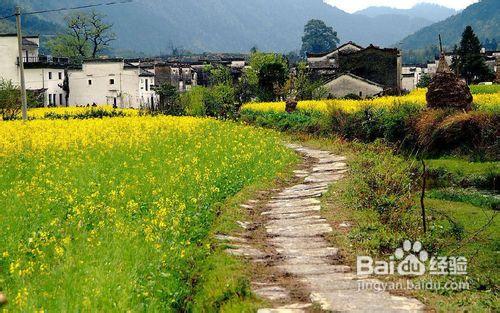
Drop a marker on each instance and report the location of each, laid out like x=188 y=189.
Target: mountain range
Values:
x=483 y=16
x=155 y=26
x=428 y=11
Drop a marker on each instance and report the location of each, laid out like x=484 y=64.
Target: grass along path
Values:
x=360 y=226
x=114 y=214
x=296 y=270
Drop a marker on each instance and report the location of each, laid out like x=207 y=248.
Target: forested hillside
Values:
x=484 y=17
x=32 y=24
x=155 y=26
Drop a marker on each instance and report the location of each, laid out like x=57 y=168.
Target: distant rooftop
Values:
x=318 y=55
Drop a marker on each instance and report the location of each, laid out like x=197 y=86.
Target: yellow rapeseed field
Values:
x=482 y=101
x=112 y=215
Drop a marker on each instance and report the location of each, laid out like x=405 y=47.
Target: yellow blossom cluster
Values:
x=113 y=214
x=490 y=101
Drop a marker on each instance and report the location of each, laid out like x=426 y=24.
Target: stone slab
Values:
x=365 y=301
x=313 y=252
x=273 y=293
x=300 y=230
x=313 y=269
x=292 y=210
x=292 y=203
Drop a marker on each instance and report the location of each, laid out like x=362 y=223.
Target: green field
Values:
x=114 y=214
x=488 y=89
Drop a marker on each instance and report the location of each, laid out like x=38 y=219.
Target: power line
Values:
x=6 y=17
x=80 y=7
x=71 y=8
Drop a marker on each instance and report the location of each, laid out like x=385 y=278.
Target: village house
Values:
x=43 y=75
x=186 y=72
x=327 y=64
x=491 y=60
x=353 y=70
x=411 y=76
x=180 y=75
x=350 y=84
x=112 y=82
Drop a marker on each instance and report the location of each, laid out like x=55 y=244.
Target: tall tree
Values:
x=469 y=63
x=169 y=100
x=267 y=73
x=318 y=38
x=87 y=36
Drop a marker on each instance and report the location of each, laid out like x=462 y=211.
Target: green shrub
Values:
x=407 y=125
x=92 y=113
x=192 y=101
x=219 y=101
x=383 y=183
x=169 y=103
x=371 y=123
x=300 y=121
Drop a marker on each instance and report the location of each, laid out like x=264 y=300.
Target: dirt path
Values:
x=295 y=267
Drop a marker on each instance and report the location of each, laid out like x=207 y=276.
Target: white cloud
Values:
x=355 y=5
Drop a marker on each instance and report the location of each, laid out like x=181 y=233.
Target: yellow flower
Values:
x=59 y=251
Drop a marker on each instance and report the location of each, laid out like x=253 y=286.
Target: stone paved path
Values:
x=295 y=248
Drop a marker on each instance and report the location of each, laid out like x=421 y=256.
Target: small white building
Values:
x=112 y=82
x=349 y=84
x=42 y=73
x=411 y=76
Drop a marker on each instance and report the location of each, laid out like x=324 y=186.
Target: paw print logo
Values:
x=413 y=262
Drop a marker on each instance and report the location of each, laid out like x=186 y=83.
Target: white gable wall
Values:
x=345 y=85
x=8 y=59
x=36 y=78
x=110 y=83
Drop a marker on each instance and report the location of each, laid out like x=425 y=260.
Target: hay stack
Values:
x=448 y=91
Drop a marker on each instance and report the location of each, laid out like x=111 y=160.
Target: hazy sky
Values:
x=355 y=5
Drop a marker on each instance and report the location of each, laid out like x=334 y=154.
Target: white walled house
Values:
x=411 y=75
x=111 y=82
x=42 y=73
x=349 y=84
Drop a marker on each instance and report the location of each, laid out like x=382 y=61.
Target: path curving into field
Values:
x=296 y=269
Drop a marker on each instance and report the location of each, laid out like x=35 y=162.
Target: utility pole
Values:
x=21 y=64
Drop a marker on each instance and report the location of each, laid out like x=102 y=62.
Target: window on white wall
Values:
x=112 y=81
x=50 y=75
x=147 y=85
x=90 y=82
x=60 y=75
